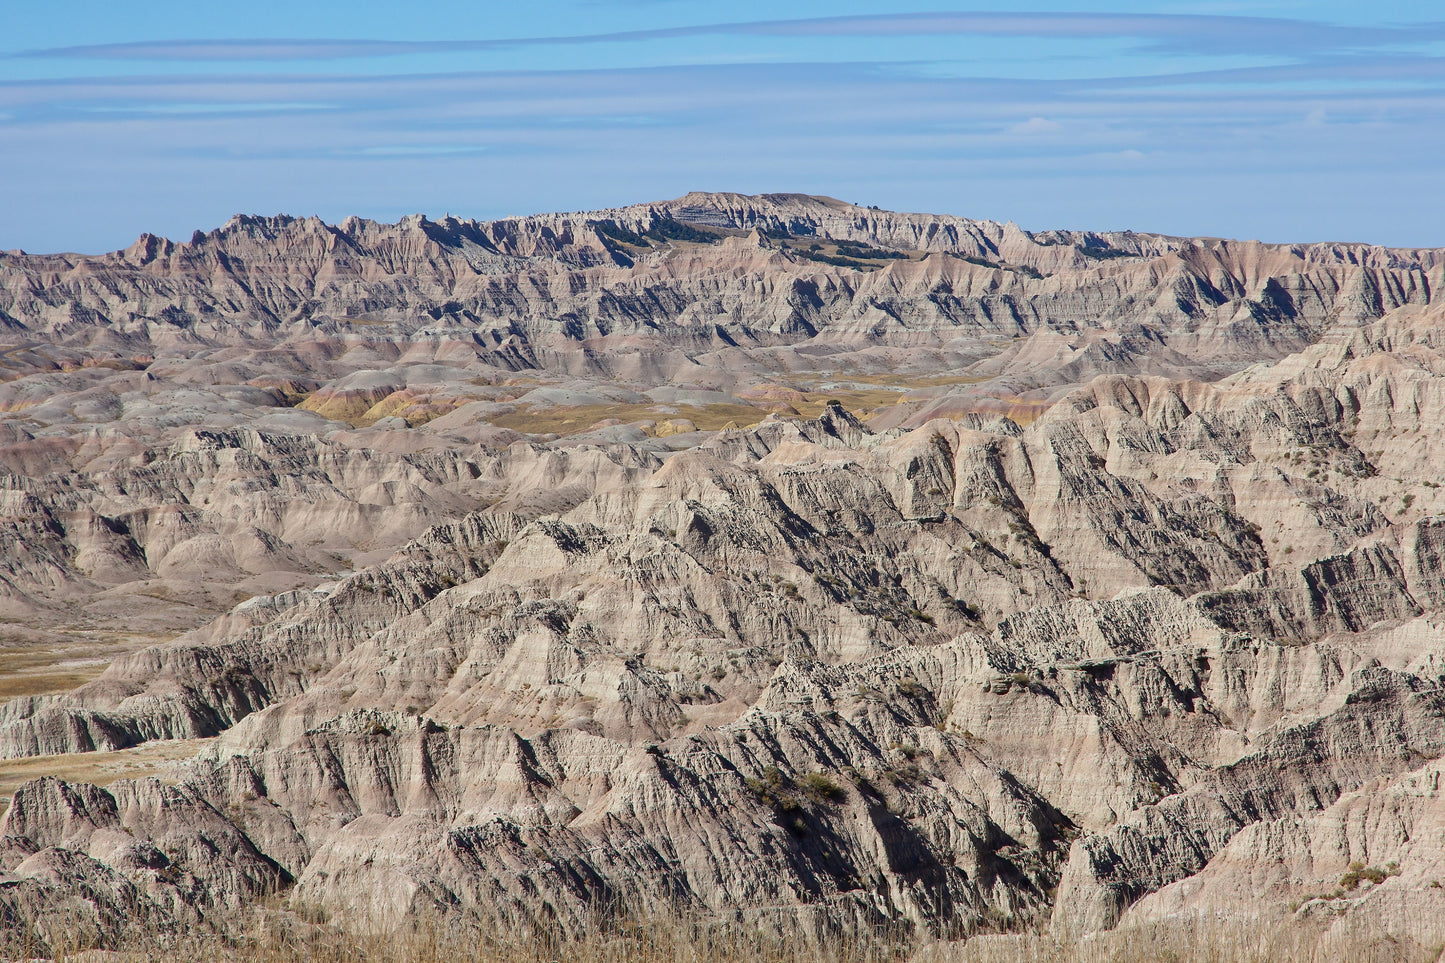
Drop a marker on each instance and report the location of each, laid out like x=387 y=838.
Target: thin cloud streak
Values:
x=1164 y=33
x=782 y=102
x=1358 y=115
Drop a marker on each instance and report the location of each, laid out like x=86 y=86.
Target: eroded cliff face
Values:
x=726 y=272
x=1173 y=641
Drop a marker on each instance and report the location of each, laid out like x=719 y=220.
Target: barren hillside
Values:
x=782 y=562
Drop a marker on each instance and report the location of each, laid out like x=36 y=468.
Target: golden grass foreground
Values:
x=275 y=937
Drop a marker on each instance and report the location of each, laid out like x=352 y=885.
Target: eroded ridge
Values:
x=1167 y=640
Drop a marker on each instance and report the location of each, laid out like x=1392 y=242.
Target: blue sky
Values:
x=1284 y=121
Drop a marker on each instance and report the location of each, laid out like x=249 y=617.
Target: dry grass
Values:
x=40 y=675
x=904 y=382
x=860 y=401
x=572 y=420
x=61 y=662
x=99 y=768
x=828 y=247
x=1208 y=939
x=280 y=938
x=565 y=420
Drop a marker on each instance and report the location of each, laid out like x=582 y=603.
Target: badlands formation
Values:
x=768 y=559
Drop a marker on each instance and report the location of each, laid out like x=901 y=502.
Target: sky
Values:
x=1293 y=120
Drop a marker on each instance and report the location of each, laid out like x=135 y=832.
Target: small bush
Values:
x=1359 y=873
x=820 y=789
x=1101 y=253
x=668 y=229
x=612 y=231
x=912 y=688
x=903 y=775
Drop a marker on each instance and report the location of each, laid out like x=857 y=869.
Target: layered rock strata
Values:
x=1172 y=643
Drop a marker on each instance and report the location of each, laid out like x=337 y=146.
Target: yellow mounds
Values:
x=575 y=419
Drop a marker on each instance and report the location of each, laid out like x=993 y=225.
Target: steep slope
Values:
x=811 y=673
x=705 y=270
x=681 y=557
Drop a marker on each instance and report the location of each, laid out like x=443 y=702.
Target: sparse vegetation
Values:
x=668 y=229
x=1359 y=873
x=820 y=789
x=904 y=775
x=610 y=230
x=912 y=688
x=305 y=935
x=1101 y=253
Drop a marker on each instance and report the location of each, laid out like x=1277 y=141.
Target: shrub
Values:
x=1359 y=873
x=912 y=688
x=902 y=775
x=820 y=789
x=612 y=231
x=668 y=229
x=1101 y=253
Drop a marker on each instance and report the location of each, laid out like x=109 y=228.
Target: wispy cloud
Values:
x=278 y=49
x=1192 y=124
x=1160 y=33
x=181 y=109
x=1034 y=126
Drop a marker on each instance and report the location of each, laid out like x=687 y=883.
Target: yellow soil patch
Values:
x=415 y=409
x=673 y=426
x=292 y=392
x=339 y=407
x=579 y=418
x=99 y=768
x=572 y=420
x=1024 y=413
x=364 y=409
x=352 y=407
